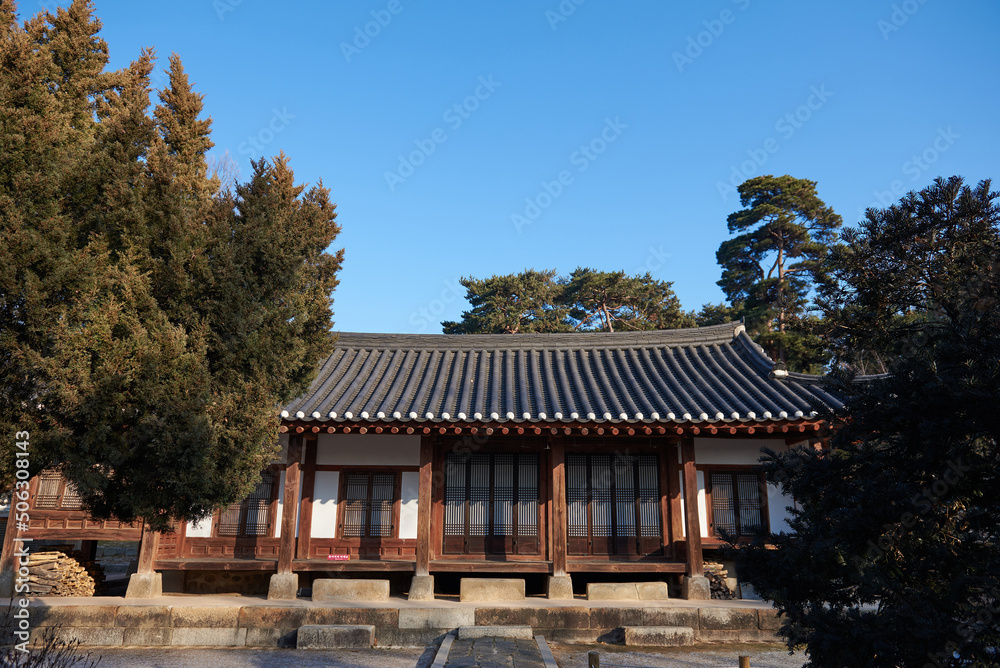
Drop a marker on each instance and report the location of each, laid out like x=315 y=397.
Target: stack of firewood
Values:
x=56 y=574
x=717 y=576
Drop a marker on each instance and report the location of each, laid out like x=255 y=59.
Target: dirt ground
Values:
x=568 y=656
x=698 y=656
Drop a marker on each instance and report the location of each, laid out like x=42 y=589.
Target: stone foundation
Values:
x=627 y=591
x=145 y=585
x=276 y=625
x=422 y=588
x=358 y=591
x=491 y=589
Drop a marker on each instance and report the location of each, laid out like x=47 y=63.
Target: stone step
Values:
x=659 y=636
x=336 y=636
x=340 y=589
x=491 y=589
x=627 y=591
x=472 y=632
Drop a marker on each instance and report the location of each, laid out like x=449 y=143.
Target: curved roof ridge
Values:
x=658 y=337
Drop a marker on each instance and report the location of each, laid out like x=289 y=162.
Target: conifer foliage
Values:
x=894 y=555
x=585 y=300
x=777 y=258
x=151 y=322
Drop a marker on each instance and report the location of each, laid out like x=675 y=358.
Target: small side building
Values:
x=555 y=454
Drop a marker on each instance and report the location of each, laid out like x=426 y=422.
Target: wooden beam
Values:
x=695 y=560
x=640 y=566
x=490 y=566
x=148 y=546
x=424 y=501
x=290 y=506
x=557 y=454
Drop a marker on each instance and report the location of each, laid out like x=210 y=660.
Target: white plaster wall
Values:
x=202 y=529
x=680 y=480
x=409 y=487
x=737 y=451
x=324 y=517
x=281 y=502
x=702 y=505
x=777 y=503
x=368 y=450
x=741 y=451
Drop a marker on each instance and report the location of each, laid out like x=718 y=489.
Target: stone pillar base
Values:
x=559 y=587
x=283 y=587
x=144 y=585
x=7 y=584
x=695 y=588
x=422 y=588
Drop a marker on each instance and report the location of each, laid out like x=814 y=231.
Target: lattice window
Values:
x=491 y=494
x=369 y=504
x=55 y=492
x=737 y=506
x=613 y=496
x=49 y=485
x=252 y=516
x=71 y=498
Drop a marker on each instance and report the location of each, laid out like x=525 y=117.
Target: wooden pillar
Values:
x=148 y=545
x=673 y=492
x=695 y=561
x=308 y=487
x=290 y=507
x=10 y=534
x=425 y=499
x=557 y=454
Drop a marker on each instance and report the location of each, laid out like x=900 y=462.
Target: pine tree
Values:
x=613 y=301
x=775 y=261
x=511 y=304
x=586 y=300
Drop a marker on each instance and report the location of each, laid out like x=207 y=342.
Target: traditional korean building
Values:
x=564 y=455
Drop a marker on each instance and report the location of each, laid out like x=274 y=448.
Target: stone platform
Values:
x=246 y=621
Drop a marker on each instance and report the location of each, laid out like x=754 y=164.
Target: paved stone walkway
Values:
x=495 y=653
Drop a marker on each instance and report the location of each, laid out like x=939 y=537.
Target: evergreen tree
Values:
x=586 y=300
x=611 y=300
x=783 y=236
x=151 y=323
x=511 y=304
x=894 y=555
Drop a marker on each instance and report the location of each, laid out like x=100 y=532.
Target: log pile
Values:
x=717 y=576
x=57 y=574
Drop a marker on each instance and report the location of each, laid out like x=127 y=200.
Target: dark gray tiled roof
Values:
x=688 y=375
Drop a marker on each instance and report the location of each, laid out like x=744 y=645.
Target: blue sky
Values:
x=484 y=138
